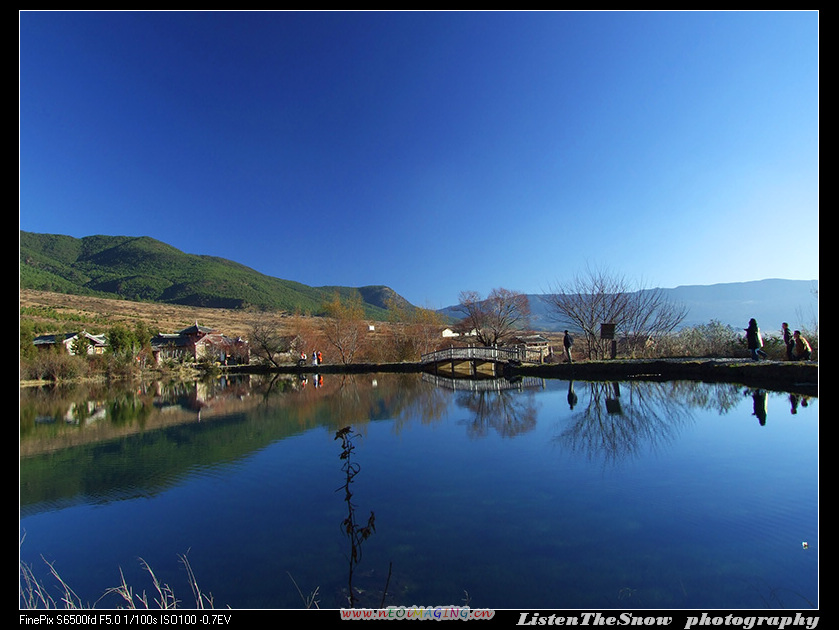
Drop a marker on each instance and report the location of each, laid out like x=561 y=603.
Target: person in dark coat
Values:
x=567 y=342
x=788 y=341
x=754 y=341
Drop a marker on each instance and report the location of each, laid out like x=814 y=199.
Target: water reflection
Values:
x=212 y=459
x=174 y=427
x=619 y=421
x=760 y=405
x=612 y=419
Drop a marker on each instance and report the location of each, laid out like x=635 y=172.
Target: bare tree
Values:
x=495 y=319
x=343 y=326
x=650 y=316
x=266 y=343
x=596 y=297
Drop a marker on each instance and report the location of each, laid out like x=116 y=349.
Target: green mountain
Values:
x=145 y=269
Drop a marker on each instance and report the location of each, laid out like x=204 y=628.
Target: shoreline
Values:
x=793 y=376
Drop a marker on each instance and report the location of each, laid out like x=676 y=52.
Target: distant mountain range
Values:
x=145 y=269
x=770 y=302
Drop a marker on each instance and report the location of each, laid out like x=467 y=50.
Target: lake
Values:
x=535 y=494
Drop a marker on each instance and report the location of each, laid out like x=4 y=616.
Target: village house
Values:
x=450 y=332
x=199 y=342
x=96 y=344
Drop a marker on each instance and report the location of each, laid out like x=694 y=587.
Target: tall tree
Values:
x=495 y=319
x=415 y=330
x=597 y=297
x=344 y=325
x=123 y=342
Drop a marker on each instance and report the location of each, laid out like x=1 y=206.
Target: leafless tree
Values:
x=266 y=342
x=495 y=319
x=596 y=297
x=651 y=315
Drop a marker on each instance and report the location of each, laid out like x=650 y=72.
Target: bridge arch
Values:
x=473 y=359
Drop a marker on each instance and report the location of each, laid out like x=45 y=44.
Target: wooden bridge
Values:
x=471 y=360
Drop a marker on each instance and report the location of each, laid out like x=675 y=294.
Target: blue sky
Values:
x=433 y=152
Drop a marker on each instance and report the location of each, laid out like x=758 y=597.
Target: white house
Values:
x=96 y=344
x=448 y=332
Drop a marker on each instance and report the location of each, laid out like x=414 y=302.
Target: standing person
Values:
x=754 y=340
x=314 y=357
x=802 y=349
x=567 y=342
x=788 y=342
x=320 y=358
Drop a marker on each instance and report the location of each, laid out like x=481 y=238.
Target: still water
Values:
x=547 y=495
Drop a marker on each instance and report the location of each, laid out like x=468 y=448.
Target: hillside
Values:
x=145 y=269
x=142 y=269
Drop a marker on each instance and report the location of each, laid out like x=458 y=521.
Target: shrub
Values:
x=713 y=339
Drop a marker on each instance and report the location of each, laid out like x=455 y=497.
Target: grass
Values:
x=34 y=594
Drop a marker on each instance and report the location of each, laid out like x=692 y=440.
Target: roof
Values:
x=164 y=339
x=43 y=340
x=532 y=339
x=194 y=329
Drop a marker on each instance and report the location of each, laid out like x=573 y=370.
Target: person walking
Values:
x=802 y=349
x=567 y=343
x=788 y=341
x=754 y=341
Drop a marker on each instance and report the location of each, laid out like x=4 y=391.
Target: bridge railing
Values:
x=479 y=353
x=484 y=384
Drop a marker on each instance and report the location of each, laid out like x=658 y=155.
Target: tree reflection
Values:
x=620 y=421
x=507 y=412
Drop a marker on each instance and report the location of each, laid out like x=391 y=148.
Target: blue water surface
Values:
x=637 y=495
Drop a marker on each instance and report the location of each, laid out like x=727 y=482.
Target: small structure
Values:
x=96 y=344
x=536 y=347
x=449 y=332
x=198 y=342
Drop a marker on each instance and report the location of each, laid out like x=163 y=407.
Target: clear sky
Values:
x=433 y=152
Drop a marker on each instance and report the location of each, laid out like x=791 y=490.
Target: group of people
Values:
x=797 y=347
x=317 y=357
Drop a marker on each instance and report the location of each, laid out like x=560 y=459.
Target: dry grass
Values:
x=164 y=317
x=33 y=594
